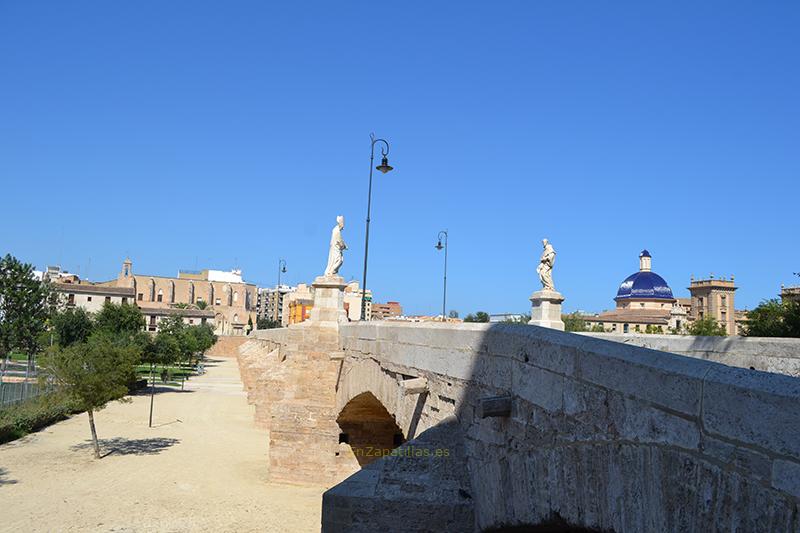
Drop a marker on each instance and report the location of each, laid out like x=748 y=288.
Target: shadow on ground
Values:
x=121 y=446
x=161 y=389
x=4 y=480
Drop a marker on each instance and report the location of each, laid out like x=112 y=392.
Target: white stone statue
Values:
x=545 y=268
x=335 y=254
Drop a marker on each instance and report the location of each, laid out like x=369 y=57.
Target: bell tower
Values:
x=126 y=278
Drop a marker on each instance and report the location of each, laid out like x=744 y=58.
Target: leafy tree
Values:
x=773 y=318
x=122 y=320
x=204 y=337
x=574 y=322
x=707 y=327
x=23 y=307
x=249 y=324
x=267 y=323
x=91 y=373
x=480 y=316
x=201 y=304
x=71 y=326
x=598 y=328
x=653 y=329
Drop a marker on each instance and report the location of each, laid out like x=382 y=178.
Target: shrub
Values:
x=31 y=415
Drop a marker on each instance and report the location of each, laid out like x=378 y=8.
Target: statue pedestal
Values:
x=328 y=310
x=546 y=309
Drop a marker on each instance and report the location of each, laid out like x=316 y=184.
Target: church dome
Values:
x=644 y=284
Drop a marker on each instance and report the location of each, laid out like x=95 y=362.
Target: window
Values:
x=125 y=299
x=625 y=328
x=140 y=296
x=88 y=298
x=108 y=299
x=191 y=321
x=217 y=301
x=70 y=299
x=160 y=297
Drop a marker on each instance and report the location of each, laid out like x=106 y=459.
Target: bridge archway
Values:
x=369 y=430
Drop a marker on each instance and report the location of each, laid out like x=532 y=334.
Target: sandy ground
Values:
x=202 y=467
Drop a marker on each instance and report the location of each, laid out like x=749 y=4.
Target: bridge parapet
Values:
x=599 y=434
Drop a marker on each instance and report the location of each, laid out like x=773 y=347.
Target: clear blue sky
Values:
x=221 y=134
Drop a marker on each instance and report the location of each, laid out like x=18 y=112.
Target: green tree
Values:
x=773 y=318
x=201 y=304
x=480 y=316
x=124 y=321
x=249 y=324
x=23 y=307
x=653 y=329
x=91 y=373
x=267 y=323
x=598 y=328
x=707 y=327
x=71 y=326
x=574 y=322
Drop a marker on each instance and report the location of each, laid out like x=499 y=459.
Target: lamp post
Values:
x=281 y=269
x=383 y=167
x=278 y=299
x=439 y=246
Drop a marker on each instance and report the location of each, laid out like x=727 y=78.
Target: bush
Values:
x=32 y=415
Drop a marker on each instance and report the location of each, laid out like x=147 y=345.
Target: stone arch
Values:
x=235 y=296
x=171 y=292
x=152 y=290
x=191 y=292
x=210 y=293
x=367 y=429
x=228 y=295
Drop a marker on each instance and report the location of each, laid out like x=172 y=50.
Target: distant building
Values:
x=713 y=297
x=270 y=302
x=644 y=303
x=387 y=310
x=227 y=302
x=790 y=294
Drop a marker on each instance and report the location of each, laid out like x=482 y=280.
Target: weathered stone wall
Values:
x=780 y=356
x=226 y=346
x=600 y=434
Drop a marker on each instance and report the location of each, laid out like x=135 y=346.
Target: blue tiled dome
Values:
x=644 y=285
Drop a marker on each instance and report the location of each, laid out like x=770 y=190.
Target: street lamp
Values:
x=281 y=269
x=278 y=299
x=383 y=167
x=439 y=246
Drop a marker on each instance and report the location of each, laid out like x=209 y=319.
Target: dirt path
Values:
x=202 y=467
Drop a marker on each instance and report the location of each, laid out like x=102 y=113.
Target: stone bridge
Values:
x=468 y=427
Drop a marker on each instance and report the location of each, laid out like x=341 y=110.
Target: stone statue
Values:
x=335 y=256
x=545 y=268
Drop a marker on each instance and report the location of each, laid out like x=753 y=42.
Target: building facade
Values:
x=227 y=302
x=714 y=297
x=387 y=310
x=270 y=302
x=644 y=303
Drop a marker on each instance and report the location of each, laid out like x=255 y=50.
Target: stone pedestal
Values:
x=328 y=310
x=546 y=309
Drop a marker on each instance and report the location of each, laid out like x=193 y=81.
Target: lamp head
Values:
x=439 y=245
x=284 y=269
x=384 y=166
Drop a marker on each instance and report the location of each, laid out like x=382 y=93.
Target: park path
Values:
x=202 y=467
